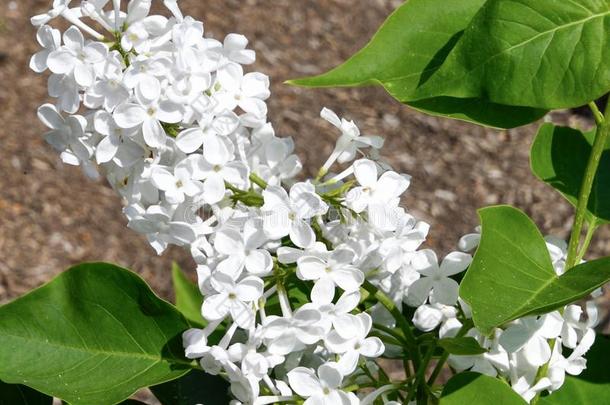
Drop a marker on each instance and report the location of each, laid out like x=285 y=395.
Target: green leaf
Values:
x=538 y=53
x=590 y=387
x=196 y=387
x=15 y=394
x=462 y=346
x=94 y=335
x=512 y=276
x=188 y=296
x=478 y=111
x=559 y=157
x=478 y=389
x=408 y=48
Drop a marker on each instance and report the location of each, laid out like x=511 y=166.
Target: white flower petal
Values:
x=249 y=289
x=304 y=381
x=129 y=115
x=455 y=262
x=419 y=291
x=106 y=149
x=154 y=134
x=301 y=234
x=310 y=268
x=372 y=347
x=259 y=262
x=365 y=172
x=445 y=291
x=214 y=189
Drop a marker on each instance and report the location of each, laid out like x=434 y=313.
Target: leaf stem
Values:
x=601 y=137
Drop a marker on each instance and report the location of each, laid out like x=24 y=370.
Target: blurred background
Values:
x=52 y=216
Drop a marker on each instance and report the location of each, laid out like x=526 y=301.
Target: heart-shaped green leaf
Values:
x=559 y=157
x=408 y=48
x=478 y=389
x=538 y=53
x=462 y=346
x=94 y=335
x=15 y=394
x=590 y=387
x=188 y=296
x=196 y=387
x=512 y=276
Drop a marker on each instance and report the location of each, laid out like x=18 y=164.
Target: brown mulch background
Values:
x=52 y=217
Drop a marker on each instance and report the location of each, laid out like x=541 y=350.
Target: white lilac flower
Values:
x=178 y=185
x=375 y=191
x=67 y=135
x=359 y=344
x=243 y=250
x=233 y=298
x=289 y=214
x=436 y=282
x=149 y=114
x=335 y=269
x=321 y=388
x=109 y=90
x=285 y=335
x=77 y=57
x=112 y=136
x=50 y=40
x=350 y=140
x=335 y=315
x=248 y=91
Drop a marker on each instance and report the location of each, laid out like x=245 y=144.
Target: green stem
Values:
x=599 y=117
x=591 y=228
x=391 y=332
x=420 y=378
x=233 y=188
x=385 y=338
x=401 y=321
x=601 y=137
x=445 y=356
x=258 y=181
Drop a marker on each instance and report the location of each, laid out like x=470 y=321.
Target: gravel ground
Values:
x=52 y=217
